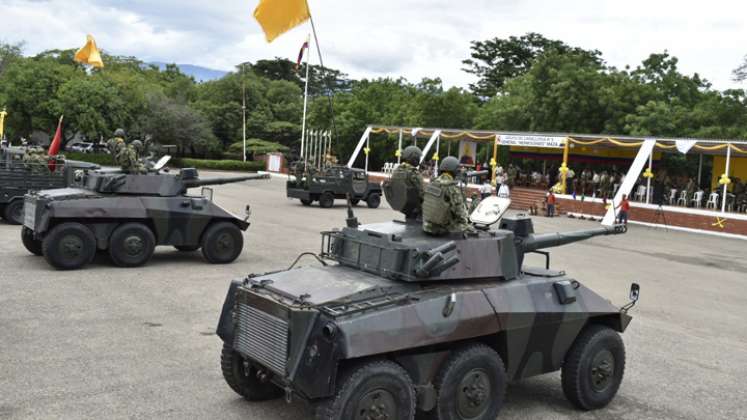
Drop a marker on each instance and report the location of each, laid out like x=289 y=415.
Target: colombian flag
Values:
x=300 y=53
x=279 y=16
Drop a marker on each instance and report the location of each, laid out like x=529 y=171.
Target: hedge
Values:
x=223 y=165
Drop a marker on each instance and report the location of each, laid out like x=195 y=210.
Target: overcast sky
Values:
x=367 y=38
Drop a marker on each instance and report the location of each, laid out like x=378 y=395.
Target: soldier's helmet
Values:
x=137 y=145
x=449 y=164
x=119 y=133
x=412 y=155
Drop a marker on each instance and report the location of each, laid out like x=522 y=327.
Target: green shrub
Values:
x=221 y=165
x=97 y=158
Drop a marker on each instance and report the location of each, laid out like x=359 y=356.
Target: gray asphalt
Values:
x=114 y=343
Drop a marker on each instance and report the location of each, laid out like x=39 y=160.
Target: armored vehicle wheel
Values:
x=373 y=201
x=187 y=248
x=327 y=200
x=13 y=212
x=131 y=245
x=471 y=385
x=34 y=246
x=375 y=390
x=222 y=243
x=69 y=246
x=242 y=378
x=593 y=368
x=306 y=202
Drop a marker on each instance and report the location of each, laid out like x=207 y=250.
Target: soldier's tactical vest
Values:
x=435 y=207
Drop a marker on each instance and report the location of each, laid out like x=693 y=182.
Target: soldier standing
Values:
x=444 y=207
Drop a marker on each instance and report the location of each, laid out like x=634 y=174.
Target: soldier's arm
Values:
x=458 y=205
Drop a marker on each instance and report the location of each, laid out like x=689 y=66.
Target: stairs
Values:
x=523 y=198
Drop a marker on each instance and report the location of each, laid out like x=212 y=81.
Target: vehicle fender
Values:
x=225 y=323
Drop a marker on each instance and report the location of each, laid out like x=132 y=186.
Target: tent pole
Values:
x=700 y=169
x=399 y=148
x=648 y=179
x=494 y=161
x=726 y=174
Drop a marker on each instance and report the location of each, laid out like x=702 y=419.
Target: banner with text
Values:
x=532 y=141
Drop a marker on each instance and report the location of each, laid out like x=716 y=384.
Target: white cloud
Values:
x=367 y=38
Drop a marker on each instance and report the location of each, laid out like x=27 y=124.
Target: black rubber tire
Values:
x=222 y=243
x=13 y=212
x=462 y=364
x=187 y=248
x=131 y=245
x=373 y=201
x=245 y=383
x=576 y=373
x=370 y=379
x=306 y=202
x=34 y=246
x=327 y=200
x=69 y=246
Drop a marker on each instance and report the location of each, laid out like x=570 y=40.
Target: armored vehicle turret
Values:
x=395 y=321
x=19 y=175
x=128 y=215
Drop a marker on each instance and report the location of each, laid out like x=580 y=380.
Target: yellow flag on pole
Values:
x=279 y=16
x=89 y=54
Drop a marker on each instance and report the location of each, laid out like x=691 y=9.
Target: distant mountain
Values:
x=201 y=74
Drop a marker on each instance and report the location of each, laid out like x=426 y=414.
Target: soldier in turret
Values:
x=127 y=156
x=444 y=207
x=407 y=171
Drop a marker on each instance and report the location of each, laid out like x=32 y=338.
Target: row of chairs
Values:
x=681 y=198
x=389 y=167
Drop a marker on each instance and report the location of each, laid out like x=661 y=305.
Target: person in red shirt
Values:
x=551 y=204
x=624 y=206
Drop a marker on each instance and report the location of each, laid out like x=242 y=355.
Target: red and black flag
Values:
x=304 y=47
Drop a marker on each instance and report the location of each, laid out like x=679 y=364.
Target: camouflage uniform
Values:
x=126 y=156
x=36 y=160
x=411 y=177
x=444 y=209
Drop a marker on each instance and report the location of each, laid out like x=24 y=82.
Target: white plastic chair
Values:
x=672 y=196
x=698 y=199
x=683 y=198
x=640 y=194
x=712 y=201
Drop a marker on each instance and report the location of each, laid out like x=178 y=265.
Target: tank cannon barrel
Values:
x=193 y=183
x=550 y=240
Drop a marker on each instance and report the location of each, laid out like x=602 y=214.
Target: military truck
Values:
x=395 y=321
x=128 y=215
x=330 y=183
x=18 y=177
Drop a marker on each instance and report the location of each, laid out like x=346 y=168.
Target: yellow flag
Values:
x=279 y=16
x=89 y=54
x=2 y=122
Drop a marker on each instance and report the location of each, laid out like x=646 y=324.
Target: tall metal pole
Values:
x=243 y=107
x=399 y=148
x=726 y=174
x=321 y=65
x=700 y=169
x=305 y=101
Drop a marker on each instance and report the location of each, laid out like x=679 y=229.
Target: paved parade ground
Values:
x=107 y=342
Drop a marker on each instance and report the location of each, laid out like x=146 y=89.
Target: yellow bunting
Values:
x=648 y=173
x=721 y=223
x=366 y=150
x=435 y=156
x=493 y=163
x=724 y=180
x=563 y=168
x=398 y=153
x=716 y=147
x=737 y=149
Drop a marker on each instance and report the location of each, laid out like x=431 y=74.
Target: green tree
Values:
x=495 y=61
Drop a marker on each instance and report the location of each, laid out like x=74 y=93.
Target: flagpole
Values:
x=321 y=64
x=243 y=106
x=305 y=101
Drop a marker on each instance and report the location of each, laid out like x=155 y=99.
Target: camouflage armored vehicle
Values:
x=128 y=215
x=395 y=321
x=330 y=183
x=18 y=177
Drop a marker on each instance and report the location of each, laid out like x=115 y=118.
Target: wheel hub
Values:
x=377 y=405
x=71 y=246
x=602 y=370
x=473 y=394
x=224 y=243
x=134 y=245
